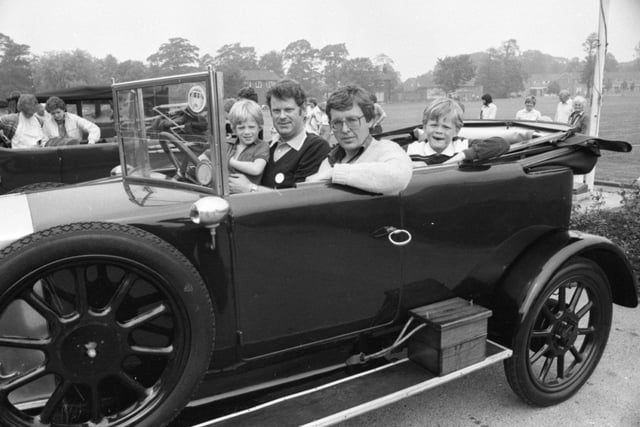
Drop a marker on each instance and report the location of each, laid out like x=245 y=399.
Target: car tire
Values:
x=126 y=327
x=563 y=336
x=37 y=186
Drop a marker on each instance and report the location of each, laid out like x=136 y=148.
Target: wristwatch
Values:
x=253 y=188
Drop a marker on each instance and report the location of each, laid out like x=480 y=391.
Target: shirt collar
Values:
x=295 y=142
x=451 y=149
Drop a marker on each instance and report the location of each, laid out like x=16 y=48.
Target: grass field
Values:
x=620 y=120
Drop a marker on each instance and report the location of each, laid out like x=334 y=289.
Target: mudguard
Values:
x=532 y=270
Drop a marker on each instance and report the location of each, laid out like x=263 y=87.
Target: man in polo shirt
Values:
x=294 y=154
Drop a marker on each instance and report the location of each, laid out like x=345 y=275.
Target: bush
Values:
x=621 y=225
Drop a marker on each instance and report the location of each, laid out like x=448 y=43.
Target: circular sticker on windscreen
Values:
x=196 y=99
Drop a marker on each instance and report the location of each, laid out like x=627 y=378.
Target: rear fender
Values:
x=527 y=277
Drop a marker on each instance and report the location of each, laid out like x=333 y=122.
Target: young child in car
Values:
x=247 y=154
x=438 y=140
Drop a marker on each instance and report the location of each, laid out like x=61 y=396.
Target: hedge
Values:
x=621 y=225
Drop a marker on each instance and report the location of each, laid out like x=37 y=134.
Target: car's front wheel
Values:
x=563 y=336
x=100 y=324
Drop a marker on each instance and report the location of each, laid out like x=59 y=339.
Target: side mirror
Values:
x=209 y=211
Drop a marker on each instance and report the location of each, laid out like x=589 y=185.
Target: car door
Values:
x=312 y=264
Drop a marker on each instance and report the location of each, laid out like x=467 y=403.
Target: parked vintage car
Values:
x=123 y=299
x=47 y=166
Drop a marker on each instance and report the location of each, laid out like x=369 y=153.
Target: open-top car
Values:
x=124 y=299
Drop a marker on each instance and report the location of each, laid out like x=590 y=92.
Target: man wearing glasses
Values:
x=359 y=160
x=294 y=154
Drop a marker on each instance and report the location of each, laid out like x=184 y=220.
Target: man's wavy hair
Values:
x=285 y=89
x=346 y=97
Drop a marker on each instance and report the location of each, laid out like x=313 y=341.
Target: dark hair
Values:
x=248 y=93
x=53 y=103
x=346 y=97
x=487 y=98
x=313 y=101
x=374 y=98
x=285 y=89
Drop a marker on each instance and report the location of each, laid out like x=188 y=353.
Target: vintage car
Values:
x=124 y=299
x=66 y=164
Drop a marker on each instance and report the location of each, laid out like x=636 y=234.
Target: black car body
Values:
x=119 y=296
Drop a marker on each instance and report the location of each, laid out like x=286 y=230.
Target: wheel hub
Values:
x=90 y=350
x=565 y=332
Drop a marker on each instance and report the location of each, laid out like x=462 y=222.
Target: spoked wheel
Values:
x=563 y=336
x=100 y=324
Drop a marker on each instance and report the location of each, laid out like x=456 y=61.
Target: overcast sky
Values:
x=414 y=33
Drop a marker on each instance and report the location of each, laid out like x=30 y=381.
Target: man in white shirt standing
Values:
x=564 y=108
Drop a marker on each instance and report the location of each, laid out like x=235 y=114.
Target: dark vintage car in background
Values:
x=124 y=299
x=47 y=166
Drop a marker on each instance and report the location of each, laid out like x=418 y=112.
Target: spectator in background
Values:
x=488 y=109
x=313 y=117
x=379 y=116
x=24 y=128
x=564 y=107
x=528 y=112
x=42 y=112
x=248 y=92
x=63 y=127
x=579 y=118
x=226 y=106
x=325 y=129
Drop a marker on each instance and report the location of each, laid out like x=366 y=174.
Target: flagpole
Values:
x=598 y=78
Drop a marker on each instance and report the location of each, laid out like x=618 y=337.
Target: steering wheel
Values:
x=189 y=156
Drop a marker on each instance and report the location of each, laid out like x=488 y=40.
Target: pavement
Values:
x=611 y=397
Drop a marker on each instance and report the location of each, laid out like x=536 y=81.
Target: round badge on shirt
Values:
x=279 y=178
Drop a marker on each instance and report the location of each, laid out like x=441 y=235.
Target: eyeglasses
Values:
x=352 y=123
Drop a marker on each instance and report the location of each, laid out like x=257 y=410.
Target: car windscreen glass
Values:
x=165 y=131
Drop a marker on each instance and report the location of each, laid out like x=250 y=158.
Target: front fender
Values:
x=528 y=276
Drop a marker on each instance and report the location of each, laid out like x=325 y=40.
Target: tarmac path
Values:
x=611 y=397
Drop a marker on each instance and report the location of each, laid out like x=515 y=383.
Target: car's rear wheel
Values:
x=100 y=324
x=563 y=336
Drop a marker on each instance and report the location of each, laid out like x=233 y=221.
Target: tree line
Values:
x=500 y=71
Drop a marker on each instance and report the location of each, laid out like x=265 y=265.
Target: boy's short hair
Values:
x=346 y=97
x=286 y=89
x=530 y=98
x=442 y=107
x=243 y=110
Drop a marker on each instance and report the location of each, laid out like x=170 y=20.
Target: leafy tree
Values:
x=272 y=61
x=637 y=60
x=590 y=47
x=176 y=56
x=389 y=76
x=107 y=68
x=513 y=73
x=236 y=56
x=452 y=71
x=205 y=60
x=491 y=74
x=611 y=63
x=61 y=70
x=131 y=70
x=333 y=56
x=15 y=67
x=359 y=71
x=553 y=87
x=299 y=59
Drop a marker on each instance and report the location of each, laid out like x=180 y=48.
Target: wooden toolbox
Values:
x=454 y=336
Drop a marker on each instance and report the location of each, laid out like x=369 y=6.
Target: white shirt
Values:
x=28 y=134
x=563 y=111
x=528 y=115
x=422 y=148
x=488 y=111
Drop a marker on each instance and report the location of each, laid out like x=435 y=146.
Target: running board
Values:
x=349 y=397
